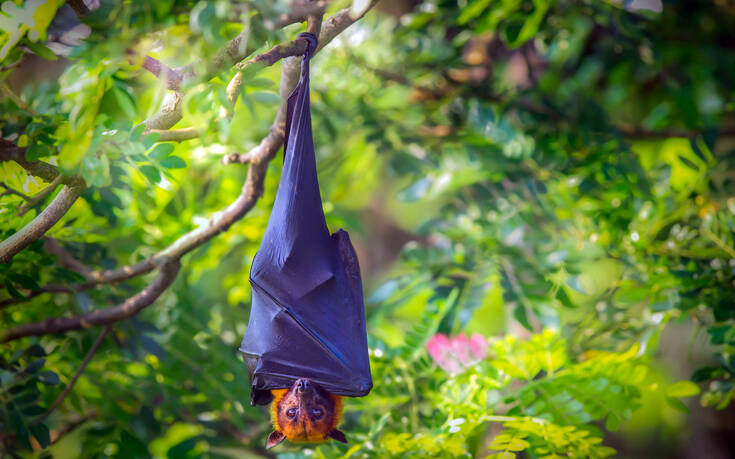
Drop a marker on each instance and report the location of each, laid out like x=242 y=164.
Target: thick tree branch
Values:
x=169 y=114
x=41 y=224
x=87 y=358
x=163 y=72
x=300 y=11
x=128 y=308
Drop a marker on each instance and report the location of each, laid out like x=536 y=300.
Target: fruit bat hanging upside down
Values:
x=306 y=345
x=305 y=413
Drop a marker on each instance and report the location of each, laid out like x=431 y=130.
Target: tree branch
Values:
x=41 y=224
x=637 y=132
x=9 y=190
x=176 y=135
x=295 y=47
x=169 y=114
x=15 y=64
x=57 y=435
x=300 y=11
x=128 y=308
x=80 y=9
x=163 y=72
x=87 y=358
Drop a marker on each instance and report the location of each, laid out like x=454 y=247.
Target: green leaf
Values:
x=150 y=139
x=33 y=410
x=37 y=151
x=48 y=377
x=682 y=389
x=252 y=69
x=151 y=173
x=13 y=291
x=26 y=282
x=472 y=10
x=259 y=83
x=137 y=132
x=677 y=404
x=161 y=151
x=519 y=313
x=125 y=101
x=41 y=50
x=35 y=366
x=612 y=423
x=173 y=162
x=35 y=350
x=41 y=434
x=266 y=97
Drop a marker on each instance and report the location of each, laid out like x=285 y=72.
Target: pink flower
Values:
x=455 y=354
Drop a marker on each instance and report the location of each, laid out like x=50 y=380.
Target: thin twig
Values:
x=38 y=197
x=9 y=190
x=15 y=64
x=242 y=158
x=16 y=99
x=87 y=358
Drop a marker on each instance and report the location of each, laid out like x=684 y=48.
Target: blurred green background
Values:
x=556 y=176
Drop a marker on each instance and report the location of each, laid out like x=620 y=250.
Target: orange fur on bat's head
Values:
x=305 y=413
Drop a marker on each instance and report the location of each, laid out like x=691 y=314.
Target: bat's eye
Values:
x=291 y=413
x=318 y=413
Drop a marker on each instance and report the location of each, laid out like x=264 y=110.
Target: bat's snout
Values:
x=303 y=385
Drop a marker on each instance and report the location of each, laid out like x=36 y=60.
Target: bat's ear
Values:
x=338 y=435
x=277 y=437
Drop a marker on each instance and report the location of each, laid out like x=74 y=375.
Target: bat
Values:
x=305 y=413
x=307 y=318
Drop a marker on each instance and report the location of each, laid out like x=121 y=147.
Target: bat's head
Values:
x=305 y=413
